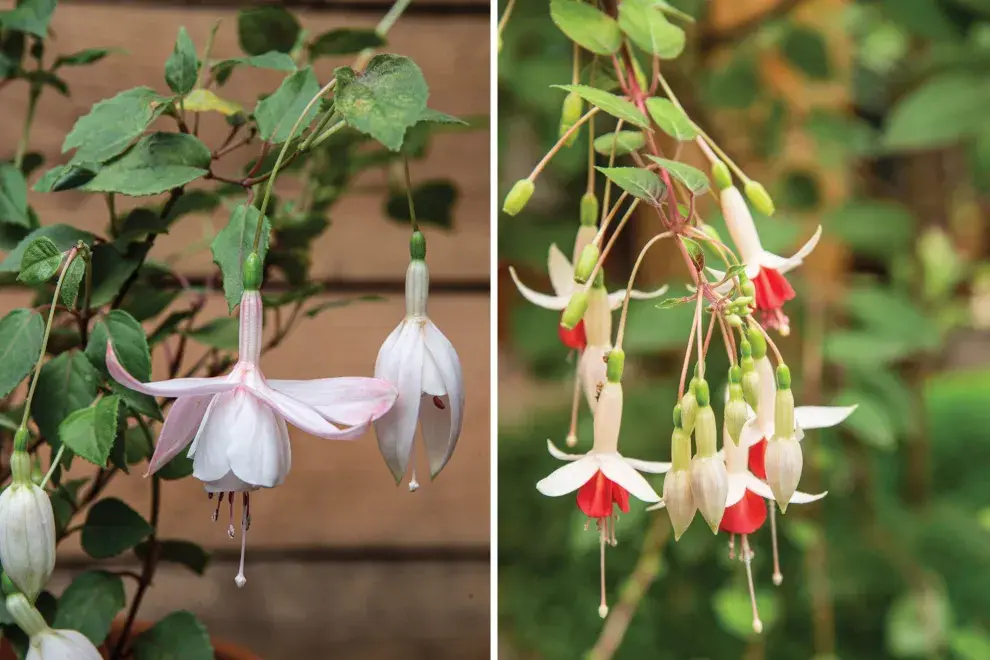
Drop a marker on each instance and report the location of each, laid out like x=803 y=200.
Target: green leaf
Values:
x=179 y=635
x=586 y=26
x=182 y=66
x=805 y=49
x=638 y=182
x=270 y=60
x=65 y=177
x=262 y=29
x=131 y=348
x=111 y=528
x=184 y=553
x=316 y=310
x=82 y=57
x=219 y=333
x=610 y=103
x=21 y=334
x=735 y=613
x=179 y=467
x=205 y=100
x=918 y=624
x=871 y=423
x=110 y=270
x=623 y=142
x=156 y=164
x=859 y=348
x=137 y=225
x=735 y=85
x=31 y=16
x=647 y=27
x=233 y=244
x=892 y=316
x=13 y=197
x=432 y=116
x=90 y=432
x=277 y=114
x=344 y=41
x=90 y=604
x=113 y=124
x=67 y=383
x=434 y=202
x=873 y=228
x=671 y=119
x=71 y=282
x=64 y=237
x=695 y=180
x=943 y=110
x=40 y=261
x=388 y=97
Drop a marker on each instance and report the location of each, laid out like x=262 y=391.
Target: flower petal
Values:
x=650 y=467
x=569 y=478
x=403 y=367
x=442 y=426
x=618 y=470
x=228 y=416
x=820 y=417
x=786 y=264
x=179 y=429
x=591 y=370
x=304 y=416
x=173 y=388
x=737 y=488
x=263 y=457
x=751 y=433
x=562 y=456
x=561 y=271
x=346 y=401
x=805 y=498
x=615 y=299
x=539 y=299
x=229 y=483
x=758 y=486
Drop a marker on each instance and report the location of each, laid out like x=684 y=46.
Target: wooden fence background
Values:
x=341 y=563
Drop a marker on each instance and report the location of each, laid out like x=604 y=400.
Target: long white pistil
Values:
x=778 y=577
x=748 y=558
x=603 y=607
x=239 y=579
x=413 y=484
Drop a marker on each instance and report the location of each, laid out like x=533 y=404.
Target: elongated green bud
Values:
x=678 y=423
x=689 y=407
x=783 y=377
x=680 y=449
x=569 y=115
x=759 y=198
x=758 y=342
x=736 y=412
x=518 y=197
x=721 y=175
x=574 y=312
x=710 y=231
x=748 y=290
x=586 y=263
x=702 y=392
x=750 y=377
x=252 y=272
x=589 y=210
x=417 y=246
x=616 y=363
x=783 y=414
x=706 y=432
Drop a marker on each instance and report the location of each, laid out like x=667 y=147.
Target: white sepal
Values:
x=62 y=645
x=679 y=500
x=27 y=537
x=710 y=485
x=784 y=462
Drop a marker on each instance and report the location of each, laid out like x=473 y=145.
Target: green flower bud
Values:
x=680 y=449
x=589 y=210
x=706 y=432
x=702 y=392
x=417 y=246
x=721 y=175
x=759 y=198
x=689 y=408
x=748 y=289
x=711 y=232
x=743 y=301
x=783 y=377
x=750 y=381
x=678 y=423
x=678 y=498
x=758 y=342
x=252 y=272
x=783 y=415
x=586 y=263
x=519 y=196
x=735 y=374
x=569 y=115
x=615 y=363
x=736 y=412
x=734 y=320
x=574 y=312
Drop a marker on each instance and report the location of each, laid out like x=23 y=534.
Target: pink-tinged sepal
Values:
x=345 y=401
x=179 y=429
x=173 y=388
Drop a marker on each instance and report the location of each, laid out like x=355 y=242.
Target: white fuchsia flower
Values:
x=765 y=269
x=235 y=425
x=425 y=369
x=603 y=478
x=46 y=643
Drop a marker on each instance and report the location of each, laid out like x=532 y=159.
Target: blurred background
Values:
x=341 y=563
x=870 y=119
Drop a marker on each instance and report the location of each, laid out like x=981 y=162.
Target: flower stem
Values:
x=51 y=469
x=560 y=143
x=629 y=285
x=504 y=20
x=409 y=194
x=611 y=241
x=22 y=144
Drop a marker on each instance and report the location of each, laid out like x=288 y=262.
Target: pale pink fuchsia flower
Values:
x=425 y=369
x=46 y=643
x=765 y=269
x=235 y=425
x=603 y=478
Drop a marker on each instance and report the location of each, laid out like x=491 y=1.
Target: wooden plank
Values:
x=452 y=51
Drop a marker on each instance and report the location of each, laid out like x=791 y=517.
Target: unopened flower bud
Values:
x=678 y=499
x=710 y=231
x=721 y=175
x=701 y=391
x=784 y=461
x=705 y=434
x=759 y=197
x=736 y=412
x=586 y=263
x=743 y=301
x=519 y=196
x=710 y=487
x=757 y=342
x=27 y=536
x=689 y=408
x=574 y=312
x=25 y=615
x=569 y=115
x=734 y=320
x=750 y=377
x=253 y=271
x=748 y=290
x=589 y=210
x=417 y=246
x=615 y=363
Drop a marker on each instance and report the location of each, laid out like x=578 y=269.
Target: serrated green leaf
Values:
x=67 y=383
x=90 y=603
x=40 y=261
x=65 y=177
x=587 y=26
x=131 y=348
x=344 y=41
x=21 y=334
x=156 y=164
x=233 y=244
x=388 y=97
x=113 y=124
x=13 y=196
x=432 y=116
x=622 y=142
x=90 y=432
x=636 y=181
x=943 y=110
x=179 y=467
x=72 y=280
x=270 y=60
x=433 y=200
x=111 y=528
x=267 y=28
x=205 y=100
x=695 y=180
x=179 y=635
x=83 y=57
x=184 y=553
x=64 y=237
x=219 y=333
x=805 y=49
x=277 y=114
x=610 y=103
x=646 y=26
x=182 y=66
x=671 y=119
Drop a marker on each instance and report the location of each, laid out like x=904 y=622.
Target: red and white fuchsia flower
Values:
x=425 y=369
x=764 y=269
x=235 y=425
x=603 y=478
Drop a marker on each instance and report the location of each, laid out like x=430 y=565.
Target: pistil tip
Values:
x=240 y=580
x=571 y=440
x=413 y=486
x=778 y=578
x=230 y=530
x=603 y=610
x=757 y=626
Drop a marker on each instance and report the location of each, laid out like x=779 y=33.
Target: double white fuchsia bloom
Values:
x=423 y=365
x=235 y=425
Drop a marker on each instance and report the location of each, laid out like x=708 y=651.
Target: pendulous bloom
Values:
x=425 y=369
x=235 y=425
x=46 y=643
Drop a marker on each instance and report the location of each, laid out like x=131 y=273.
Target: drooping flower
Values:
x=235 y=425
x=46 y=643
x=603 y=478
x=423 y=365
x=27 y=526
x=678 y=498
x=765 y=269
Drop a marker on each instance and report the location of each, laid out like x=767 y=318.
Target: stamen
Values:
x=602 y=607
x=230 y=516
x=216 y=513
x=247 y=510
x=413 y=484
x=783 y=323
x=239 y=579
x=732 y=546
x=439 y=403
x=748 y=558
x=614 y=519
x=778 y=577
